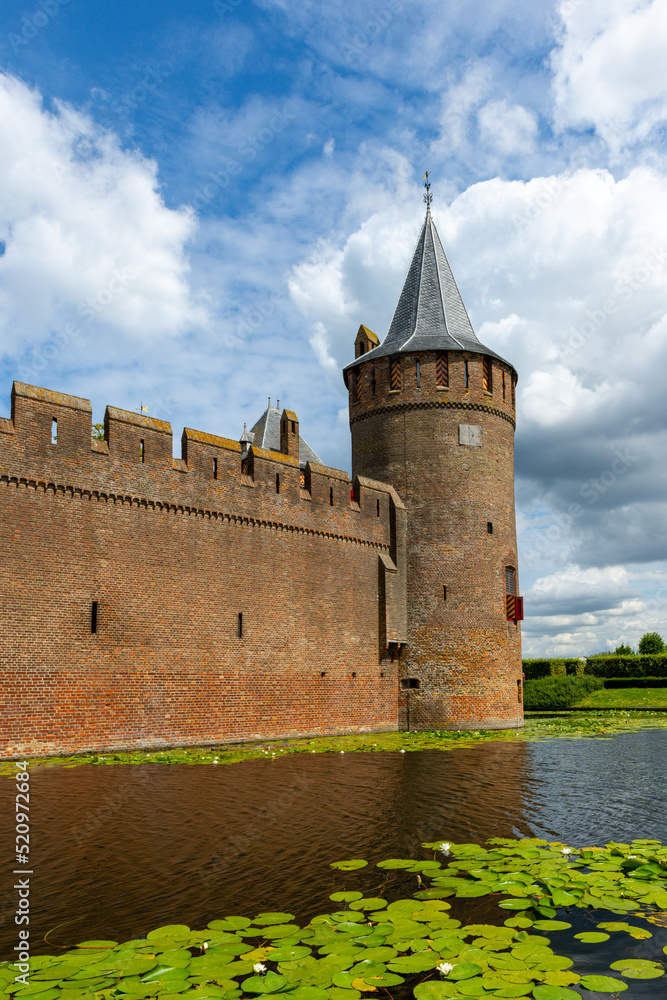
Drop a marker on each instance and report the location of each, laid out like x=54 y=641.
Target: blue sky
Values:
x=201 y=201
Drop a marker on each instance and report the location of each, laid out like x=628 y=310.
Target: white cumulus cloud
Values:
x=86 y=233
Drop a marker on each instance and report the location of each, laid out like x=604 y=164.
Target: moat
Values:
x=119 y=850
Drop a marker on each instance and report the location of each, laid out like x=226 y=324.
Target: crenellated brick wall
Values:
x=228 y=604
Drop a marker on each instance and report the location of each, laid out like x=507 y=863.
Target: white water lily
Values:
x=445 y=847
x=566 y=850
x=445 y=968
x=259 y=968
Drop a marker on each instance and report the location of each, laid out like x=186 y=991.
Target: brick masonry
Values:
x=449 y=453
x=172 y=557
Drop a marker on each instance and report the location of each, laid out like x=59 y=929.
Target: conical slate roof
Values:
x=430 y=315
x=266 y=434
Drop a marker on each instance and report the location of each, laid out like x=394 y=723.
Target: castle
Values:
x=246 y=591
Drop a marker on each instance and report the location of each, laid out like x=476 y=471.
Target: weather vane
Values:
x=428 y=197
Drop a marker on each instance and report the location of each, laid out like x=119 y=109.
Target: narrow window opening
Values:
x=466 y=375
x=93 y=618
x=419 y=377
x=489 y=527
x=277 y=482
x=503 y=386
x=488 y=374
x=323 y=674
x=293 y=427
x=510 y=583
x=239 y=625
x=357 y=377
x=395 y=377
x=410 y=683
x=54 y=431
x=382 y=673
x=142 y=451
x=444 y=593
x=373 y=380
x=378 y=507
x=513 y=392
x=519 y=693
x=215 y=468
x=442 y=370
x=331 y=495
x=354 y=673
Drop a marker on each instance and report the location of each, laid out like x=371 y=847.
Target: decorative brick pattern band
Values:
x=445 y=404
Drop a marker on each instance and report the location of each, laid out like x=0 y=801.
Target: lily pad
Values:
x=554 y=993
x=602 y=984
x=345 y=897
x=638 y=968
x=271 y=982
x=348 y=866
x=592 y=937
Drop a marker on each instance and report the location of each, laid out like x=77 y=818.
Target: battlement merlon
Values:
x=36 y=446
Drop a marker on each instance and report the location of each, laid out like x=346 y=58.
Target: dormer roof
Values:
x=266 y=435
x=430 y=315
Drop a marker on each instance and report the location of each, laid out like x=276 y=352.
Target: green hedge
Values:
x=552 y=693
x=635 y=682
x=627 y=666
x=535 y=669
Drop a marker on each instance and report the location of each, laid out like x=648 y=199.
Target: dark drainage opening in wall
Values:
x=409 y=683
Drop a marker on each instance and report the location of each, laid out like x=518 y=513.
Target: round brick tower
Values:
x=432 y=412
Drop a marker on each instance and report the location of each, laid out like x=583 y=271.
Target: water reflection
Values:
x=119 y=850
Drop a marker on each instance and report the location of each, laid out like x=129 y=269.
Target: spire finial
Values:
x=428 y=197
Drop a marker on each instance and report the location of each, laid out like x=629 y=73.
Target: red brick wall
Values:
x=462 y=650
x=172 y=556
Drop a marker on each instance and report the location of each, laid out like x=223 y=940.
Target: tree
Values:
x=651 y=643
x=623 y=650
x=98 y=432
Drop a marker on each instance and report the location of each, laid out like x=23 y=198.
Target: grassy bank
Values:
x=646 y=698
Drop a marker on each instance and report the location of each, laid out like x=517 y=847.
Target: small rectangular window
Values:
x=357 y=384
x=331 y=497
x=419 y=377
x=409 y=683
x=354 y=673
x=142 y=451
x=239 y=625
x=378 y=507
x=373 y=380
x=277 y=482
x=444 y=593
x=488 y=374
x=54 y=431
x=519 y=693
x=395 y=375
x=509 y=581
x=513 y=392
x=215 y=468
x=293 y=427
x=323 y=673
x=93 y=618
x=489 y=527
x=503 y=386
x=442 y=370
x=466 y=375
